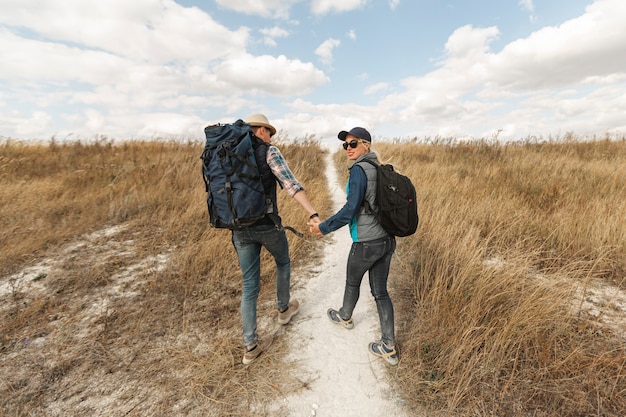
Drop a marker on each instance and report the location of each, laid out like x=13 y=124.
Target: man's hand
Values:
x=314 y=226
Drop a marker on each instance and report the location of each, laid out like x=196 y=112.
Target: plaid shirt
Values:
x=281 y=171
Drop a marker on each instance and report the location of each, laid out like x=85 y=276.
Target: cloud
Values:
x=530 y=7
x=574 y=73
x=320 y=7
x=161 y=30
x=589 y=46
x=264 y=8
x=375 y=88
x=527 y=5
x=179 y=59
x=270 y=34
x=393 y=4
x=125 y=68
x=325 y=120
x=266 y=74
x=325 y=50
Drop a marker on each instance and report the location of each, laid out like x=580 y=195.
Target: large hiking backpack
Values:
x=235 y=195
x=396 y=200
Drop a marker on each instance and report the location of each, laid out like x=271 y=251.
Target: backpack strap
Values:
x=274 y=218
x=366 y=204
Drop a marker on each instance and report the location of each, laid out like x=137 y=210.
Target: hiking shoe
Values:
x=381 y=350
x=334 y=316
x=292 y=309
x=253 y=352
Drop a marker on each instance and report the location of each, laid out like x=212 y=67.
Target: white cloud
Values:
x=393 y=4
x=375 y=88
x=468 y=42
x=326 y=120
x=158 y=31
x=270 y=34
x=124 y=68
x=325 y=50
x=264 y=8
x=527 y=5
x=475 y=86
x=23 y=125
x=320 y=7
x=270 y=75
x=589 y=46
x=127 y=61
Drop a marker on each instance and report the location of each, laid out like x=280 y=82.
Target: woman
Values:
x=372 y=247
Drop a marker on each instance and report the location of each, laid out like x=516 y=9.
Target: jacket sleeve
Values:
x=357 y=183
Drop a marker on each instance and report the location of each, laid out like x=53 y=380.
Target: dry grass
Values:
x=133 y=308
x=509 y=234
x=118 y=299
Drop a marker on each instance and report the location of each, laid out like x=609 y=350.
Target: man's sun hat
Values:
x=358 y=132
x=260 y=120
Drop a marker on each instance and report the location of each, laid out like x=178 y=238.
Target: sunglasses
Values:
x=353 y=144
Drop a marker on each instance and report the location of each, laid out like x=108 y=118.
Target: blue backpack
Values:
x=236 y=197
x=235 y=194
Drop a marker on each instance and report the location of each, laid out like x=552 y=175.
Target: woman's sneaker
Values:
x=250 y=353
x=381 y=350
x=334 y=316
x=292 y=309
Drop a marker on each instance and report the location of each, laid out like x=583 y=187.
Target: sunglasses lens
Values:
x=353 y=144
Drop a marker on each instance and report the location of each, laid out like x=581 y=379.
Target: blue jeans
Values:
x=375 y=257
x=248 y=243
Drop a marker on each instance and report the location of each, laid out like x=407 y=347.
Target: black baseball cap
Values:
x=358 y=132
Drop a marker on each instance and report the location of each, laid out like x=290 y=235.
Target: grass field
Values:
x=117 y=298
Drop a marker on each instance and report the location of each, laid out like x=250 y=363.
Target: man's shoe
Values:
x=250 y=353
x=381 y=350
x=334 y=316
x=292 y=309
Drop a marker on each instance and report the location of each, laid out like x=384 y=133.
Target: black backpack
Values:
x=396 y=200
x=236 y=197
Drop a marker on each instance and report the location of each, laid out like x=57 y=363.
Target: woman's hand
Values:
x=314 y=227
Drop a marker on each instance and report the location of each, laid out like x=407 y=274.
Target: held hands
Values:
x=314 y=226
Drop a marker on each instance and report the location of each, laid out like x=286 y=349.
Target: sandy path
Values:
x=343 y=378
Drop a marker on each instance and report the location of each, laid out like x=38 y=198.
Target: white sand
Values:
x=344 y=379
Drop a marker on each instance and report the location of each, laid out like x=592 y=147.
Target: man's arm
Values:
x=283 y=174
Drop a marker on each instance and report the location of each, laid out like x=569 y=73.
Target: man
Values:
x=269 y=234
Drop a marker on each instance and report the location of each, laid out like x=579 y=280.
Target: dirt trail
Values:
x=342 y=378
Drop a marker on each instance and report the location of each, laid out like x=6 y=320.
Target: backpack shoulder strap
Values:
x=369 y=161
x=366 y=204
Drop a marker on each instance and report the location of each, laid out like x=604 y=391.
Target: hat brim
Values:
x=342 y=135
x=271 y=128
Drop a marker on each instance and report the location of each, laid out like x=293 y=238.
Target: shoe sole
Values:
x=345 y=324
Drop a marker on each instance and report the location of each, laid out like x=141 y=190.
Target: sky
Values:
x=152 y=69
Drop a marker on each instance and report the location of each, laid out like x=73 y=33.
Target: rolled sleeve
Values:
x=281 y=171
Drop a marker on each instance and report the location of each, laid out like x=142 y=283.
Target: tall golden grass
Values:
x=175 y=346
x=487 y=321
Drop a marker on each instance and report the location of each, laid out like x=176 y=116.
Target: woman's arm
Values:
x=357 y=184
